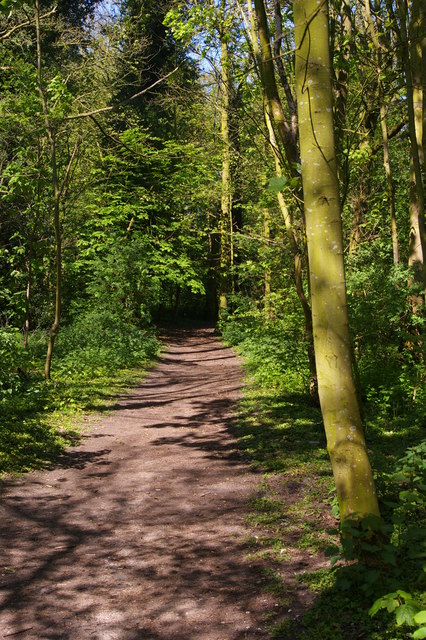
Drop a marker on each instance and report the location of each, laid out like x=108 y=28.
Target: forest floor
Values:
x=140 y=531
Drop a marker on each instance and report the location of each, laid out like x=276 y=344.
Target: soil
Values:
x=138 y=533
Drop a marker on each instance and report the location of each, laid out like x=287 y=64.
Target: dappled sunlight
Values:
x=138 y=532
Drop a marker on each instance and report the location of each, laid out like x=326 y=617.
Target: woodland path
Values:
x=138 y=532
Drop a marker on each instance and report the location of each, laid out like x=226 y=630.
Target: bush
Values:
x=11 y=362
x=99 y=341
x=274 y=348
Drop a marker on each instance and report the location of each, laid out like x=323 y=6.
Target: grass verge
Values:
x=293 y=512
x=39 y=419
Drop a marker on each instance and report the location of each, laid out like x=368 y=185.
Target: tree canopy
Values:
x=257 y=164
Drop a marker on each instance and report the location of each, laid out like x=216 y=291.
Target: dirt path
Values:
x=138 y=533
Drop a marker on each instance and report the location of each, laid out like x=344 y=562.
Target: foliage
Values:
x=98 y=357
x=99 y=342
x=140 y=195
x=407 y=611
x=370 y=558
x=12 y=359
x=275 y=349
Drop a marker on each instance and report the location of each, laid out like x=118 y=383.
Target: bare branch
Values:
x=27 y=23
x=124 y=102
x=391 y=134
x=113 y=138
x=64 y=187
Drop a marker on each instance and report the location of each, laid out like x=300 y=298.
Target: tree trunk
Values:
x=225 y=220
x=56 y=202
x=291 y=102
x=28 y=289
x=27 y=303
x=384 y=127
x=339 y=404
x=285 y=131
x=389 y=179
x=297 y=252
x=412 y=57
x=267 y=274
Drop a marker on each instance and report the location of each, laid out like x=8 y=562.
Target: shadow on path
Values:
x=138 y=533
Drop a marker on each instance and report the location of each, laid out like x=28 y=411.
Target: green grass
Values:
x=39 y=419
x=283 y=437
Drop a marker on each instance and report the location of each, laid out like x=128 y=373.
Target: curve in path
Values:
x=138 y=533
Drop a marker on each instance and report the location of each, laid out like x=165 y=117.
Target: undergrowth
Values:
x=294 y=514
x=96 y=358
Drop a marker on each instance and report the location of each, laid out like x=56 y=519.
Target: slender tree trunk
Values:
x=56 y=201
x=389 y=179
x=342 y=76
x=267 y=275
x=384 y=127
x=417 y=242
x=28 y=287
x=412 y=57
x=297 y=252
x=339 y=404
x=288 y=137
x=291 y=102
x=225 y=221
x=286 y=133
x=27 y=301
x=359 y=201
x=213 y=262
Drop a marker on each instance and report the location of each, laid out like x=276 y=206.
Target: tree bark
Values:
x=297 y=252
x=225 y=220
x=412 y=58
x=384 y=128
x=339 y=404
x=291 y=102
x=285 y=131
x=56 y=201
x=267 y=274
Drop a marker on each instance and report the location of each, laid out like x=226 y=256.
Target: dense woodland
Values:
x=256 y=164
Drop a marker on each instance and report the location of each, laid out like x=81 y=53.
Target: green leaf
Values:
x=344 y=584
x=408 y=496
x=335 y=559
x=390 y=601
x=276 y=184
x=295 y=183
x=375 y=607
x=405 y=614
x=420 y=633
x=420 y=617
x=389 y=557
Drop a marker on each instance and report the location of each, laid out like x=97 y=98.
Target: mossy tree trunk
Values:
x=225 y=219
x=287 y=136
x=412 y=45
x=371 y=29
x=286 y=132
x=297 y=250
x=54 y=330
x=336 y=387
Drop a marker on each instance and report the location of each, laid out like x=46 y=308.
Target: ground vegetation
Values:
x=258 y=165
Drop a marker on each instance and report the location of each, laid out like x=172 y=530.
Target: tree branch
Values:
x=27 y=23
x=113 y=138
x=64 y=186
x=391 y=134
x=124 y=102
